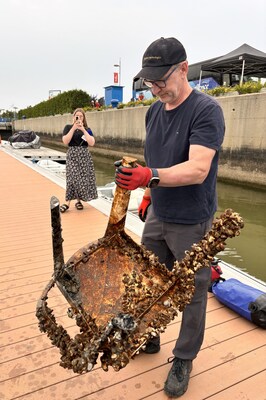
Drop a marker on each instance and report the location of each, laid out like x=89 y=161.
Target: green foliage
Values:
x=249 y=87
x=63 y=103
x=150 y=101
x=218 y=91
x=132 y=104
x=8 y=114
x=137 y=103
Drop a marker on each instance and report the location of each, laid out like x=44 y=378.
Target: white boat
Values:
x=230 y=271
x=52 y=166
x=107 y=192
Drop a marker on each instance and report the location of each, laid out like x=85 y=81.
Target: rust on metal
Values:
x=118 y=292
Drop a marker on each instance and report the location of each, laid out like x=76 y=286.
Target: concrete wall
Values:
x=245 y=117
x=120 y=124
x=243 y=152
x=243 y=157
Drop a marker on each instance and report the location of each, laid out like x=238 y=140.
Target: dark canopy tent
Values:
x=194 y=69
x=243 y=61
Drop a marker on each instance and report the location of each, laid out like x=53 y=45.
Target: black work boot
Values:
x=177 y=381
x=152 y=346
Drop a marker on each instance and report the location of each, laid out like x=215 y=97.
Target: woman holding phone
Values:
x=80 y=174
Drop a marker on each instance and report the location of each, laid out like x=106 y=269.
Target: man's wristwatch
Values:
x=153 y=183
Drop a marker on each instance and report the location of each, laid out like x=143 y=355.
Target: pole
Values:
x=200 y=78
x=242 y=73
x=15 y=113
x=119 y=71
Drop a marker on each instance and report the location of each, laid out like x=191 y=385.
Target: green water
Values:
x=247 y=251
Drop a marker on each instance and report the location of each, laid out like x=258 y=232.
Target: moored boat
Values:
x=52 y=166
x=107 y=192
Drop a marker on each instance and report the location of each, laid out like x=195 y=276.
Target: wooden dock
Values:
x=230 y=366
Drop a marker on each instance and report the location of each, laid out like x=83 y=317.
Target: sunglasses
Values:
x=161 y=83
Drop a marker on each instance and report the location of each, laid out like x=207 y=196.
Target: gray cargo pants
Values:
x=169 y=241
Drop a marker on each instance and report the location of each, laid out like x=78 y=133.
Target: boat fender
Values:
x=247 y=301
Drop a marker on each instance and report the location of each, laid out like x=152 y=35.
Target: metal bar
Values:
x=56 y=236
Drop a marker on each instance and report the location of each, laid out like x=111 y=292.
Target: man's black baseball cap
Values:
x=159 y=58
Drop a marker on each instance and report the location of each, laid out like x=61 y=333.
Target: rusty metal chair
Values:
x=118 y=292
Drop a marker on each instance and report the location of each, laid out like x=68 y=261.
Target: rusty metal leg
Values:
x=56 y=236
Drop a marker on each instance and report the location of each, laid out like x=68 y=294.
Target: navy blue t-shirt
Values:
x=198 y=120
x=76 y=139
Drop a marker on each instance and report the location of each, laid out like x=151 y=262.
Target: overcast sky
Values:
x=74 y=44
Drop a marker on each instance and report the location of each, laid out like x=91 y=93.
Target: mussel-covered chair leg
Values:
x=57 y=236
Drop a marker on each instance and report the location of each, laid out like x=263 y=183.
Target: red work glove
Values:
x=143 y=207
x=132 y=178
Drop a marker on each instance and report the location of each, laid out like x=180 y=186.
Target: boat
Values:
x=25 y=140
x=107 y=192
x=229 y=271
x=52 y=166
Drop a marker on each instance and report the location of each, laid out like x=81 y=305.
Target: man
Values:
x=184 y=133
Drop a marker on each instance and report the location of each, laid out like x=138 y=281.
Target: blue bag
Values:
x=243 y=299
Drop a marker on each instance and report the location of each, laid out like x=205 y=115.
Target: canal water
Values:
x=247 y=251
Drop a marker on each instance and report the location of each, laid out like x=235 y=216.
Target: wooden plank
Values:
x=143 y=377
x=251 y=388
x=30 y=307
x=26 y=297
x=23 y=323
x=233 y=361
x=23 y=290
x=41 y=277
x=214 y=334
x=204 y=375
x=19 y=335
x=26 y=319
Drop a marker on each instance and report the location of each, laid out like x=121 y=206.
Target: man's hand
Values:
x=143 y=207
x=132 y=178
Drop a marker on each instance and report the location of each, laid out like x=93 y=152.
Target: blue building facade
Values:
x=113 y=92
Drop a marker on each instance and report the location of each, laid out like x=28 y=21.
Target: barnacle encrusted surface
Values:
x=120 y=295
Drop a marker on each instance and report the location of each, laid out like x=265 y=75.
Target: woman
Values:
x=80 y=174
